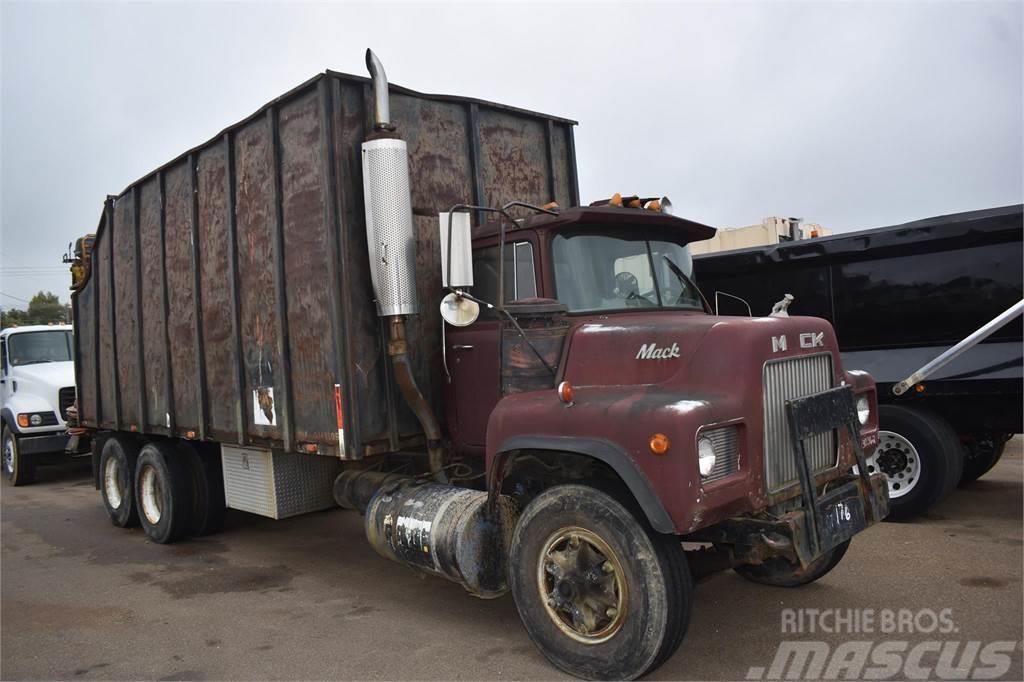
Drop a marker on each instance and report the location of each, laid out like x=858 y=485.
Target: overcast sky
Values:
x=851 y=115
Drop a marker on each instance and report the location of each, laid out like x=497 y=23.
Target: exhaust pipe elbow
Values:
x=381 y=107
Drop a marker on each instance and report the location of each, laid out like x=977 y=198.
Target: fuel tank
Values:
x=446 y=531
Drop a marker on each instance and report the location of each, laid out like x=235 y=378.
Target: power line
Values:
x=14 y=297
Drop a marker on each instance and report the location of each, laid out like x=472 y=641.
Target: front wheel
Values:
x=780 y=572
x=17 y=467
x=601 y=594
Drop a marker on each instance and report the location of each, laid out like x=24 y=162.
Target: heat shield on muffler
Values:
x=390 y=235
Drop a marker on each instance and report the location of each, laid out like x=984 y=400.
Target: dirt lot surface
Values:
x=307 y=598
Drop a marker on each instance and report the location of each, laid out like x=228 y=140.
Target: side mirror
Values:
x=456 y=252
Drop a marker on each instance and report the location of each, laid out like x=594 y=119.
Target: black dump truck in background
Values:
x=898 y=297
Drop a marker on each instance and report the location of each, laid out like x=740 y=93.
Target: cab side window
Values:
x=520 y=274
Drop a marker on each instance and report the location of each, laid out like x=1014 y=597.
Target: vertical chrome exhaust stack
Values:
x=391 y=240
x=390 y=234
x=381 y=104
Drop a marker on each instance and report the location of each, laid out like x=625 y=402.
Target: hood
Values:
x=47 y=375
x=688 y=348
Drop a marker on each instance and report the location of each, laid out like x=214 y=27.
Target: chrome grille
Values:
x=783 y=380
x=727 y=452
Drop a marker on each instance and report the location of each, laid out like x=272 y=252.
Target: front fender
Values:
x=864 y=385
x=26 y=402
x=609 y=453
x=614 y=425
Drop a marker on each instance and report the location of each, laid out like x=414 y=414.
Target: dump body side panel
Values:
x=898 y=297
x=216 y=287
x=244 y=312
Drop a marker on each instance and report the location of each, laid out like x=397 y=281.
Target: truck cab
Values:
x=685 y=410
x=37 y=386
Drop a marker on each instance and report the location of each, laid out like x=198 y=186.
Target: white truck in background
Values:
x=37 y=386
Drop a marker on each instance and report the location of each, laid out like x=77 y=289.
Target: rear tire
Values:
x=780 y=572
x=117 y=481
x=18 y=468
x=918 y=440
x=207 y=485
x=618 y=595
x=163 y=491
x=981 y=454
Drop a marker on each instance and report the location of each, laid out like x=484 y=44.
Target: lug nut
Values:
x=611 y=612
x=574 y=541
x=607 y=567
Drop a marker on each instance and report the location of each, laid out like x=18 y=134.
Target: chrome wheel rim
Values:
x=897 y=458
x=582 y=585
x=151 y=495
x=113 y=486
x=8 y=463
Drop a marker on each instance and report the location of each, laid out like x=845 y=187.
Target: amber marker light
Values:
x=919 y=388
x=565 y=392
x=659 y=443
x=23 y=421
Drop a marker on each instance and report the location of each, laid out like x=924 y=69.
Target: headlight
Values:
x=705 y=456
x=27 y=419
x=863 y=410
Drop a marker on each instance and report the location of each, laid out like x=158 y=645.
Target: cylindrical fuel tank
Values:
x=446 y=531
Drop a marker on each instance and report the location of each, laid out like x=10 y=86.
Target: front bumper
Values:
x=756 y=539
x=848 y=507
x=46 y=443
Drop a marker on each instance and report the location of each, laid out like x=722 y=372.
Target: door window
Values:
x=520 y=274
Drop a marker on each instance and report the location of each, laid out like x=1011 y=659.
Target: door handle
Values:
x=462 y=346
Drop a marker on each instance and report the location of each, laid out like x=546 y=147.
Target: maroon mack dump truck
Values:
x=259 y=327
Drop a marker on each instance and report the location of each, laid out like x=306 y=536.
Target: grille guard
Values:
x=820 y=413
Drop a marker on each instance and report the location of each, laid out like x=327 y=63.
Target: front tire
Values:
x=163 y=492
x=921 y=456
x=780 y=572
x=600 y=594
x=18 y=468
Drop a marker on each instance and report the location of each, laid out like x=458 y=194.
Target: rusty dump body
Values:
x=229 y=296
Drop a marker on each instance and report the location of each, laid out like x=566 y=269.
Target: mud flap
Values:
x=839 y=514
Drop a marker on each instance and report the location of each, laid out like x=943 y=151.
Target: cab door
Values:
x=473 y=353
x=5 y=380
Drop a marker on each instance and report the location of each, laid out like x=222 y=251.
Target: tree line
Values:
x=44 y=308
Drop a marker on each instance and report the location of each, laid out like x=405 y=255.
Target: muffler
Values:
x=390 y=233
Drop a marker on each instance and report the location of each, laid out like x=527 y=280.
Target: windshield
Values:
x=29 y=348
x=631 y=268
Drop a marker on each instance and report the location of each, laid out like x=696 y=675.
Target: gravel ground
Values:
x=306 y=598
